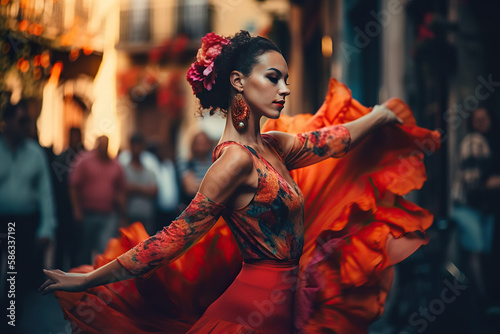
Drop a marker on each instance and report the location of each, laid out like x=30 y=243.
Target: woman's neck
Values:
x=250 y=135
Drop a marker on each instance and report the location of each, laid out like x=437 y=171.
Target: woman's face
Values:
x=481 y=121
x=265 y=88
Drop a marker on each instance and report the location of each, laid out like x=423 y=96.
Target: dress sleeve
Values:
x=315 y=146
x=170 y=243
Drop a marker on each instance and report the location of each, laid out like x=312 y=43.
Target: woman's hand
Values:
x=385 y=115
x=62 y=281
x=379 y=116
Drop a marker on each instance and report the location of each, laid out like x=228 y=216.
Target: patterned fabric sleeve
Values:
x=173 y=241
x=315 y=146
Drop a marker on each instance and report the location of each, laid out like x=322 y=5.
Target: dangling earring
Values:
x=239 y=112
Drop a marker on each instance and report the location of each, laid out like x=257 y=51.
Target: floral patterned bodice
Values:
x=270 y=226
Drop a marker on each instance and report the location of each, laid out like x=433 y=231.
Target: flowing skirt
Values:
x=357 y=226
x=261 y=299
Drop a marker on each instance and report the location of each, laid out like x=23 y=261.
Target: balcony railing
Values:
x=144 y=24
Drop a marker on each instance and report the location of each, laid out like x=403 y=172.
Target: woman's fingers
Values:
x=60 y=280
x=52 y=275
x=45 y=284
x=392 y=115
x=51 y=287
x=44 y=288
x=387 y=115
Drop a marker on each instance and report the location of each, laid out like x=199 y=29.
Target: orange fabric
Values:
x=357 y=225
x=171 y=301
x=355 y=214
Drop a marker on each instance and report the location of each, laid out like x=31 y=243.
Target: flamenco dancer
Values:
x=327 y=269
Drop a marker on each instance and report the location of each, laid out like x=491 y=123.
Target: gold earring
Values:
x=239 y=112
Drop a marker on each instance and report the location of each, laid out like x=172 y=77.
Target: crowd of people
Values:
x=66 y=207
x=144 y=183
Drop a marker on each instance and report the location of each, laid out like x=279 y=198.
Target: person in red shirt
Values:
x=97 y=190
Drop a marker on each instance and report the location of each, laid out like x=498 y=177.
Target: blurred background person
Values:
x=68 y=233
x=194 y=168
x=97 y=189
x=475 y=195
x=160 y=160
x=169 y=188
x=141 y=187
x=26 y=200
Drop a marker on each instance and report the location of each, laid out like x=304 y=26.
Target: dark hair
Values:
x=10 y=109
x=494 y=122
x=240 y=55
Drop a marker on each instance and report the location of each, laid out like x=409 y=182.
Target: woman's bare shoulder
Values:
x=237 y=156
x=231 y=170
x=285 y=140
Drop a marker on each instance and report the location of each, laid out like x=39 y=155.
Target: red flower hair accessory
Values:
x=201 y=73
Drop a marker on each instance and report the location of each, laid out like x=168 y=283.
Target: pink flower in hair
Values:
x=201 y=74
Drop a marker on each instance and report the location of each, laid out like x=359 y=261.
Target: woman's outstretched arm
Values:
x=75 y=282
x=232 y=170
x=335 y=141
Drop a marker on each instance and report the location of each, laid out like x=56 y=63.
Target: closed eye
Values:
x=273 y=80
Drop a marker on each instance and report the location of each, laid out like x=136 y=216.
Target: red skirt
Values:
x=261 y=298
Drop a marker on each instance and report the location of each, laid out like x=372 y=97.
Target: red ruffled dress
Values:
x=345 y=220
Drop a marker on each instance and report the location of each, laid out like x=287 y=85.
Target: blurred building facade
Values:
x=57 y=47
x=118 y=67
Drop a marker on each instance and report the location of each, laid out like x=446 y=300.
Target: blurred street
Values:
x=99 y=129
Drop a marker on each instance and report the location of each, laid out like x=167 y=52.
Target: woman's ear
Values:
x=237 y=80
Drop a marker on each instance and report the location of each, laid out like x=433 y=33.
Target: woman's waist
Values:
x=270 y=274
x=257 y=245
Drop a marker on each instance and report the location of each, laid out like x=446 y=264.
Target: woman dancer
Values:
x=249 y=185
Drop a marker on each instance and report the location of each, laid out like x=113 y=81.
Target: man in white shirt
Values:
x=27 y=215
